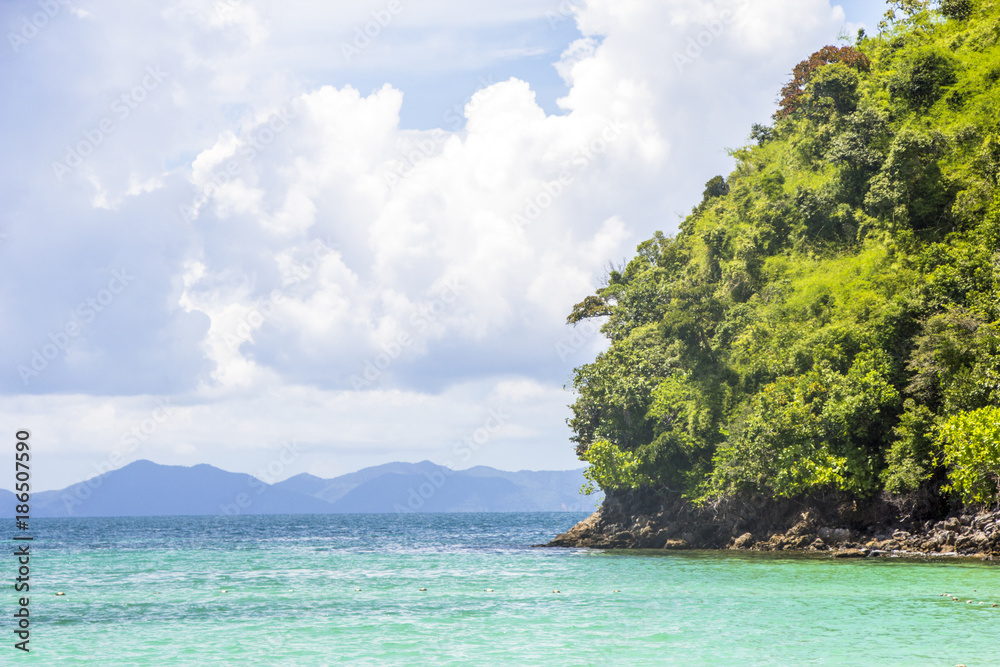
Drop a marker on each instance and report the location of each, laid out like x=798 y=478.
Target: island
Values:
x=812 y=362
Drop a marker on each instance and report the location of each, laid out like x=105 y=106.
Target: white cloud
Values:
x=451 y=256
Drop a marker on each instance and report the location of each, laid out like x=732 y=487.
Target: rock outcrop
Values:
x=847 y=528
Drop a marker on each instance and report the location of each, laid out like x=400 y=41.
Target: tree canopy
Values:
x=828 y=317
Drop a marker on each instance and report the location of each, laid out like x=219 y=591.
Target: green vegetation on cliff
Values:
x=828 y=317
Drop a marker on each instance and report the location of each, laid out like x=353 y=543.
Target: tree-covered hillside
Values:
x=827 y=317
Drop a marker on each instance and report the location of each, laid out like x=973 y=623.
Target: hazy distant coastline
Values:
x=144 y=488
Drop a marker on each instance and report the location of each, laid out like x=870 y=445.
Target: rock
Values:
x=818 y=545
x=976 y=541
x=647 y=538
x=658 y=539
x=800 y=542
x=834 y=535
x=805 y=526
x=586 y=530
x=622 y=540
x=776 y=542
x=744 y=541
x=850 y=553
x=951 y=524
x=677 y=545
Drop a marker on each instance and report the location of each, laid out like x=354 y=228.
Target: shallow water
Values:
x=149 y=591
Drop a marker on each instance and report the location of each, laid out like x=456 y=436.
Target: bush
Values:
x=971 y=443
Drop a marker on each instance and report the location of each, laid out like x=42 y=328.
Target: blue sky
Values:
x=231 y=225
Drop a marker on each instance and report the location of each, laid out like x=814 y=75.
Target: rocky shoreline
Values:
x=845 y=528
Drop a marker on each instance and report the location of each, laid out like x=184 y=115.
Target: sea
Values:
x=471 y=589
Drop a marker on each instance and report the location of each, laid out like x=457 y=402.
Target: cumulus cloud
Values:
x=304 y=264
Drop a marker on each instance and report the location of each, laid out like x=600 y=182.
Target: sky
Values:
x=286 y=237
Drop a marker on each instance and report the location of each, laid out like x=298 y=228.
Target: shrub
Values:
x=971 y=443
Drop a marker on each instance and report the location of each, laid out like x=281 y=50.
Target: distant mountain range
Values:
x=144 y=488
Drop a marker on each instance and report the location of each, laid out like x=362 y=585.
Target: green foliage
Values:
x=611 y=468
x=921 y=77
x=793 y=92
x=761 y=134
x=914 y=455
x=908 y=190
x=971 y=443
x=812 y=431
x=829 y=313
x=958 y=10
x=859 y=150
x=833 y=88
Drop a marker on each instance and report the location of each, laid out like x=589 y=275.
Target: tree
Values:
x=832 y=88
x=908 y=190
x=920 y=78
x=611 y=468
x=792 y=94
x=971 y=443
x=957 y=10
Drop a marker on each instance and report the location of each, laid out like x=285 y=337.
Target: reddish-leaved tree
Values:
x=791 y=94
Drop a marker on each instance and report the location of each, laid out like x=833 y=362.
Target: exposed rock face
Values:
x=848 y=528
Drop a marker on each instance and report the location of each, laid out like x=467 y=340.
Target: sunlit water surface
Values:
x=346 y=589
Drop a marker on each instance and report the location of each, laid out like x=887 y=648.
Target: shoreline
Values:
x=844 y=528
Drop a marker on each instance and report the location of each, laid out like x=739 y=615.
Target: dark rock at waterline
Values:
x=850 y=553
x=847 y=528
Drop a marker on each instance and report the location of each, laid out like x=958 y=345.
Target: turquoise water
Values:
x=149 y=591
